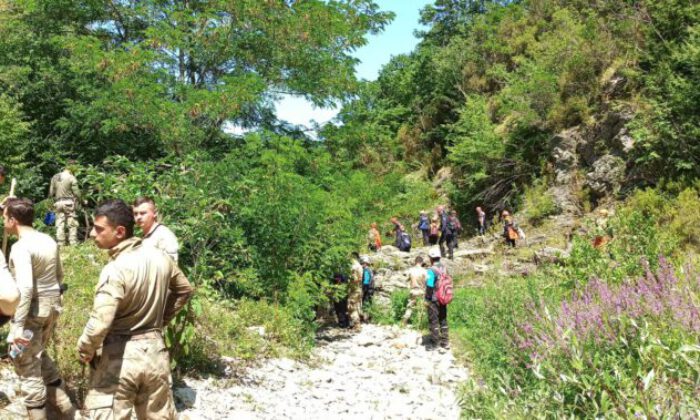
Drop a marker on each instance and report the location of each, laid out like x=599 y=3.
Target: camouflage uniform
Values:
x=164 y=239
x=139 y=291
x=417 y=276
x=36 y=265
x=355 y=293
x=64 y=190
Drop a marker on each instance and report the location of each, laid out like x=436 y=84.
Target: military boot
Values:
x=37 y=413
x=58 y=398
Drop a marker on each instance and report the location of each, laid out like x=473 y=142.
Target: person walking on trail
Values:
x=367 y=282
x=437 y=313
x=154 y=233
x=510 y=229
x=340 y=302
x=139 y=291
x=442 y=219
x=434 y=231
x=355 y=291
x=481 y=220
x=35 y=263
x=454 y=229
x=402 y=240
x=417 y=276
x=374 y=238
x=66 y=195
x=424 y=227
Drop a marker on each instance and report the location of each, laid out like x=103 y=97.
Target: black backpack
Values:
x=404 y=242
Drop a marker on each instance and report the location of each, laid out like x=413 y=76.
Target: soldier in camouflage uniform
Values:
x=154 y=233
x=355 y=292
x=139 y=291
x=36 y=266
x=66 y=194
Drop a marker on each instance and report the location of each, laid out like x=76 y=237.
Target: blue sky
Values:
x=397 y=38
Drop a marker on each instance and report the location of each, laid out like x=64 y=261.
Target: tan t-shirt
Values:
x=356 y=271
x=140 y=290
x=36 y=266
x=417 y=277
x=164 y=239
x=64 y=185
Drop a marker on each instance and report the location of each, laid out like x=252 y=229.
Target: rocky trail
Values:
x=377 y=373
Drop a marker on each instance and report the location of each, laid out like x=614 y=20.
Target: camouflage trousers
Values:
x=413 y=299
x=354 y=303
x=66 y=215
x=34 y=366
x=131 y=377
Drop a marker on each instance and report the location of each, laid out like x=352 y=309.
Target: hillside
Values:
x=553 y=110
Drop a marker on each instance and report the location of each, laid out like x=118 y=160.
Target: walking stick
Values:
x=13 y=184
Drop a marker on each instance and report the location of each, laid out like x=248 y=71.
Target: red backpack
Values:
x=444 y=291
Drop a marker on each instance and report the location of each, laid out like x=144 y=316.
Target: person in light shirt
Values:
x=154 y=233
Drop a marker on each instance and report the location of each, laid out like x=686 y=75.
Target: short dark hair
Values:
x=144 y=200
x=419 y=260
x=3 y=171
x=119 y=214
x=21 y=209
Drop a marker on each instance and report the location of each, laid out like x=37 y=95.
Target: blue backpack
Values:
x=423 y=223
x=50 y=218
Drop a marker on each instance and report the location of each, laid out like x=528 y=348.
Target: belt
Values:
x=114 y=338
x=65 y=198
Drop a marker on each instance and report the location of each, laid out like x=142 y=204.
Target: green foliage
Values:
x=153 y=78
x=492 y=82
x=669 y=125
x=538 y=204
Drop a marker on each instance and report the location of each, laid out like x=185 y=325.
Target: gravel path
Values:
x=376 y=373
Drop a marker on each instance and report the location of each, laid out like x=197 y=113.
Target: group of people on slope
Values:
x=443 y=229
x=138 y=293
x=424 y=277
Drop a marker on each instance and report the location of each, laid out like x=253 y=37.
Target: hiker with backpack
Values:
x=481 y=220
x=424 y=227
x=416 y=277
x=434 y=231
x=510 y=229
x=454 y=228
x=438 y=294
x=340 y=303
x=442 y=219
x=367 y=282
x=402 y=239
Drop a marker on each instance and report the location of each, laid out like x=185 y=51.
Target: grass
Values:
x=222 y=329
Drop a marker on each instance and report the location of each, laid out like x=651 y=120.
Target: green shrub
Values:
x=685 y=224
x=537 y=203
